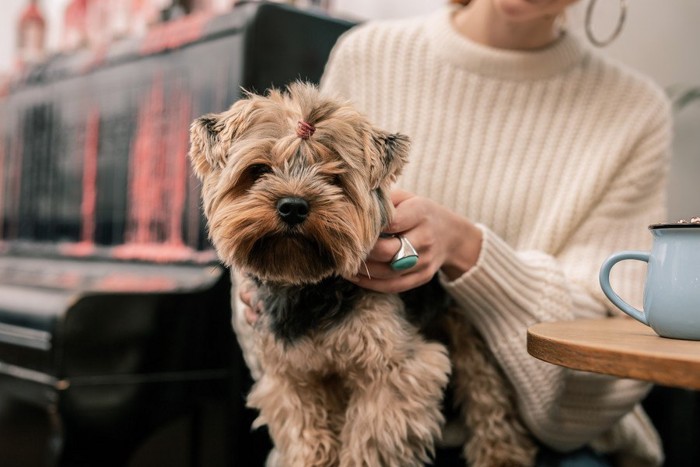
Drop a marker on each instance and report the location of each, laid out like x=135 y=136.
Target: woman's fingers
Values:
x=251 y=315
x=251 y=309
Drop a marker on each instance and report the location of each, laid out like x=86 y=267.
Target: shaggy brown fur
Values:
x=348 y=378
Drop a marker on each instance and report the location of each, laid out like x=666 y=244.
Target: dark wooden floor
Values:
x=24 y=434
x=25 y=438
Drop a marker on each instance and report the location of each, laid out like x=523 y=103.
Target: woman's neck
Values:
x=482 y=23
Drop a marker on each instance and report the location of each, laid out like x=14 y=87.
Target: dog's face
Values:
x=294 y=185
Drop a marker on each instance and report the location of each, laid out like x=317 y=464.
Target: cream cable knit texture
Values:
x=561 y=156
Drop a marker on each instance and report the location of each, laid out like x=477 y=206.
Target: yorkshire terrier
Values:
x=295 y=189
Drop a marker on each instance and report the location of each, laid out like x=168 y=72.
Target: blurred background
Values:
x=115 y=340
x=659 y=39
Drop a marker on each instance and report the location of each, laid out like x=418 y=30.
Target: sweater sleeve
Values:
x=509 y=290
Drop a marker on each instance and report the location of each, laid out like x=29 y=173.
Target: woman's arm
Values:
x=504 y=291
x=243 y=318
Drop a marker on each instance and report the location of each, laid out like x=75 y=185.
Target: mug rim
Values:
x=675 y=226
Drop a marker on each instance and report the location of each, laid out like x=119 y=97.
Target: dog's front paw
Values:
x=394 y=417
x=298 y=421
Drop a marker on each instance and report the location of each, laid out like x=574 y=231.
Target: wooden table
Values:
x=620 y=347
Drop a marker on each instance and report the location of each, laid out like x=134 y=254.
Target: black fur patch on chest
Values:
x=424 y=306
x=297 y=311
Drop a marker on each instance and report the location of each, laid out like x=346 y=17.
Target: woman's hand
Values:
x=253 y=307
x=444 y=241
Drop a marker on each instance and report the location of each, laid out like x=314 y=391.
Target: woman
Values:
x=533 y=158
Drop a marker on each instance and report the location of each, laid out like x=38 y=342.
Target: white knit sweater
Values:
x=561 y=157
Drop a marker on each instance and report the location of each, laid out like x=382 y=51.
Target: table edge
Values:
x=581 y=357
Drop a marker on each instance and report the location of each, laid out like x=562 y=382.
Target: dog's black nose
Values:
x=293 y=210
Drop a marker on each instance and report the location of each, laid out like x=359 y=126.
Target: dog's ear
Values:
x=393 y=155
x=206 y=150
x=211 y=136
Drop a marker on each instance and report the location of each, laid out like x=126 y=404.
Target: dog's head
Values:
x=295 y=184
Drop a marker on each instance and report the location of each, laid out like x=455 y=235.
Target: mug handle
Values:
x=604 y=278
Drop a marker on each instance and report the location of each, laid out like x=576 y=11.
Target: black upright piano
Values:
x=114 y=312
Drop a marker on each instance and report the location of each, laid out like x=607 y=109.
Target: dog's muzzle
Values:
x=292 y=210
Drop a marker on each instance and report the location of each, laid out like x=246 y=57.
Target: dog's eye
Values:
x=336 y=180
x=258 y=170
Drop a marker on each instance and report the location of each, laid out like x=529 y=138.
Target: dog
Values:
x=295 y=190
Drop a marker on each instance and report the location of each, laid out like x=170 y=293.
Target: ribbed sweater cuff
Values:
x=505 y=292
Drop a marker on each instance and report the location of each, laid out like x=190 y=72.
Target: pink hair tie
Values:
x=305 y=130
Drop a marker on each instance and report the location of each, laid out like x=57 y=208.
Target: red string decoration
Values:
x=305 y=130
